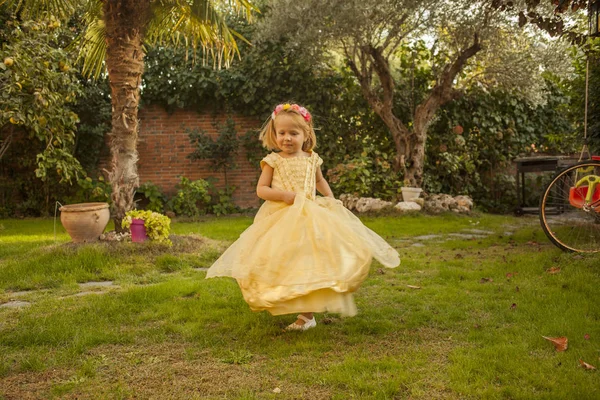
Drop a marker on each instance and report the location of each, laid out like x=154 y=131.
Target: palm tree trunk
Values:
x=125 y=22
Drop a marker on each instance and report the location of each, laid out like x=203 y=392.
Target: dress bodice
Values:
x=294 y=174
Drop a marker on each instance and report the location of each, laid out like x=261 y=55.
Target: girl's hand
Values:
x=289 y=197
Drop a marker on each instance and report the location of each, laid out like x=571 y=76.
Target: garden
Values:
x=441 y=97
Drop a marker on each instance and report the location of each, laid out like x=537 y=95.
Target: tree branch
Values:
x=382 y=68
x=394 y=33
x=365 y=86
x=442 y=91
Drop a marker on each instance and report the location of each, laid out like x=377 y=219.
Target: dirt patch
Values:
x=30 y=385
x=181 y=244
x=155 y=371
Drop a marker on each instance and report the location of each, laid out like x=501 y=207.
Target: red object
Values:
x=596 y=158
x=458 y=130
x=138 y=230
x=577 y=195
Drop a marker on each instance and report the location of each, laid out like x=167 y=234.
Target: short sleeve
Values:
x=319 y=160
x=269 y=160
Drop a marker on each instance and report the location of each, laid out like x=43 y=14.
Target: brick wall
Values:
x=164 y=146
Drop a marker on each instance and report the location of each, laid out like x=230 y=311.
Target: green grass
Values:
x=473 y=330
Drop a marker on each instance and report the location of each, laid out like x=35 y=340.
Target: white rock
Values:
x=438 y=203
x=407 y=206
x=464 y=201
x=349 y=201
x=365 y=204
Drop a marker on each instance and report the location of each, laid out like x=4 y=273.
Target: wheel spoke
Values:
x=568 y=224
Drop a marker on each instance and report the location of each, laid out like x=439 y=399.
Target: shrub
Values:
x=192 y=198
x=365 y=176
x=225 y=205
x=157 y=225
x=153 y=198
x=91 y=190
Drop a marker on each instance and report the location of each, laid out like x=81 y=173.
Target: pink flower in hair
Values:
x=304 y=112
x=295 y=107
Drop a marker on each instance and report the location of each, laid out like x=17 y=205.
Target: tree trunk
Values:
x=442 y=93
x=413 y=174
x=125 y=22
x=400 y=135
x=410 y=144
x=382 y=104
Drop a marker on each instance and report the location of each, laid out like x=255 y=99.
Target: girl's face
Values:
x=290 y=135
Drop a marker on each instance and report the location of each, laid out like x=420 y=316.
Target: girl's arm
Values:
x=266 y=192
x=322 y=185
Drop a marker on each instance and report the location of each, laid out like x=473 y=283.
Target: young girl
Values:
x=303 y=254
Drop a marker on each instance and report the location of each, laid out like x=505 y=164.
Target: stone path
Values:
x=15 y=304
x=464 y=234
x=86 y=289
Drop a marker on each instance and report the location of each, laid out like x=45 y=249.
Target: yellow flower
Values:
x=286 y=106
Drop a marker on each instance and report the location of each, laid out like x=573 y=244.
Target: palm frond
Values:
x=91 y=44
x=199 y=24
x=93 y=49
x=92 y=10
x=33 y=9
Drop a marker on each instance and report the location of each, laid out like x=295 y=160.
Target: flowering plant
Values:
x=294 y=107
x=157 y=225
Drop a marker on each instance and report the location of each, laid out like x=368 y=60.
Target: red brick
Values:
x=164 y=146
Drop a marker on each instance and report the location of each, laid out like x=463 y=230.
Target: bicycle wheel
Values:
x=569 y=216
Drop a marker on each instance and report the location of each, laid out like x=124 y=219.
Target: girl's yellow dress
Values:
x=305 y=257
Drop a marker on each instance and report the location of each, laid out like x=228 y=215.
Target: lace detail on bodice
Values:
x=296 y=174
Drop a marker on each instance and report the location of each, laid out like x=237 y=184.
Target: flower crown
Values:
x=295 y=107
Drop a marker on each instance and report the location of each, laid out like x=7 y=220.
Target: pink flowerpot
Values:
x=138 y=230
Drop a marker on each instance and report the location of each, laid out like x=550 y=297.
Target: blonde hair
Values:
x=268 y=135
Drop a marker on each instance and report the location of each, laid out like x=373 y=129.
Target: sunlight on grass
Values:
x=462 y=317
x=226 y=228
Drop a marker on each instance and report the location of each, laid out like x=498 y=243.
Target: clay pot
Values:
x=85 y=222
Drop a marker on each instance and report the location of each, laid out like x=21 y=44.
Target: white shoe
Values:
x=308 y=323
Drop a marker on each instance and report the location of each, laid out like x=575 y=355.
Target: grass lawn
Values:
x=461 y=318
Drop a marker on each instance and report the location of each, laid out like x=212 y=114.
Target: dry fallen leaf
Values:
x=513 y=306
x=560 y=343
x=414 y=287
x=553 y=270
x=484 y=280
x=586 y=365
x=586 y=336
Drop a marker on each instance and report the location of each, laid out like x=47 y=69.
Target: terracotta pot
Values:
x=85 y=222
x=138 y=230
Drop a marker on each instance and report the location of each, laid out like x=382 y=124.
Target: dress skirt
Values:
x=306 y=257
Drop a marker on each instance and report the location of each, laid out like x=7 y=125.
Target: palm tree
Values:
x=114 y=38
